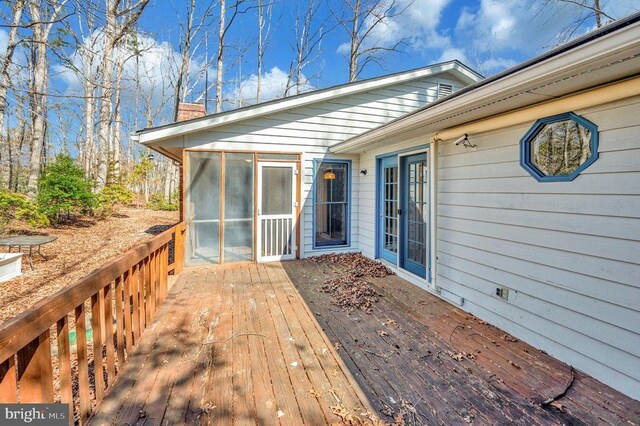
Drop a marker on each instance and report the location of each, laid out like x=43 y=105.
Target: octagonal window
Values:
x=558 y=148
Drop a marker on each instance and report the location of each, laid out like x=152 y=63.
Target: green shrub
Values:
x=158 y=202
x=64 y=189
x=14 y=206
x=115 y=194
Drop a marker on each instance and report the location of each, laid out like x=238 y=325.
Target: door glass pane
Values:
x=238 y=207
x=203 y=207
x=390 y=208
x=267 y=156
x=331 y=224
x=331 y=183
x=277 y=184
x=417 y=212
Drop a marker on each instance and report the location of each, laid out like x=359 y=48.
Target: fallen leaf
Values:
x=509 y=338
x=391 y=322
x=558 y=406
x=294 y=364
x=314 y=393
x=280 y=413
x=382 y=333
x=458 y=356
x=514 y=364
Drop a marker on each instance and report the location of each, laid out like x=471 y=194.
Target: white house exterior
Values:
x=551 y=256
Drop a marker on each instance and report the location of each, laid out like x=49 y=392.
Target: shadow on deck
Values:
x=238 y=344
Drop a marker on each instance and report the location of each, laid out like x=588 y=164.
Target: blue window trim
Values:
x=378 y=227
x=325 y=246
x=525 y=144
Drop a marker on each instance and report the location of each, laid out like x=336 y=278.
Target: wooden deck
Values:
x=238 y=345
x=403 y=351
x=233 y=345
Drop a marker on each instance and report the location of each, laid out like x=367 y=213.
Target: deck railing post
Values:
x=35 y=374
x=178 y=255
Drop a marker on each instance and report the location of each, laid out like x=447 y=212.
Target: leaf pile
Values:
x=357 y=264
x=351 y=293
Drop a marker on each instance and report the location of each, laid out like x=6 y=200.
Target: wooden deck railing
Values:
x=38 y=361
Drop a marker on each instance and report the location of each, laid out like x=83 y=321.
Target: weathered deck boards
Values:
x=232 y=344
x=401 y=351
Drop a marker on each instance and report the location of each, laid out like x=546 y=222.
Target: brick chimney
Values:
x=189 y=111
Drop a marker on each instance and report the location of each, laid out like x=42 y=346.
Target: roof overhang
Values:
x=608 y=55
x=171 y=134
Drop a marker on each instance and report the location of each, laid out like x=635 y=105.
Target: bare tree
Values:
x=188 y=46
x=361 y=19
x=44 y=14
x=309 y=33
x=7 y=59
x=128 y=15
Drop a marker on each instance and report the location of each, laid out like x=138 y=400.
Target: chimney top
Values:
x=189 y=111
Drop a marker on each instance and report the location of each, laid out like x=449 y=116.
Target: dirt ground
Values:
x=79 y=249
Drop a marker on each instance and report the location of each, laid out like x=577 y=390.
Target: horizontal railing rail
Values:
x=45 y=355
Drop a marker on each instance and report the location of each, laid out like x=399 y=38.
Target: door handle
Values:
x=399 y=212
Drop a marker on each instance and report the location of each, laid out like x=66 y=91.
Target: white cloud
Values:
x=415 y=21
x=272 y=86
x=500 y=30
x=451 y=53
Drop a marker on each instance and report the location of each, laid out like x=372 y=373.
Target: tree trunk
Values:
x=5 y=80
x=353 y=57
x=221 y=32
x=598 y=12
x=107 y=93
x=39 y=77
x=117 y=126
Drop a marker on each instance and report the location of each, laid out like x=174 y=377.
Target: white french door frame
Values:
x=273 y=229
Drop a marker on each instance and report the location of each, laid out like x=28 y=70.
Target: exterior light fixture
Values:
x=363 y=172
x=464 y=141
x=151 y=157
x=329 y=175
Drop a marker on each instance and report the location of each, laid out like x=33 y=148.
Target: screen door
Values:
x=276 y=211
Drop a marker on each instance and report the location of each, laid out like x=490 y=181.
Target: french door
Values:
x=388 y=209
x=414 y=214
x=403 y=211
x=276 y=211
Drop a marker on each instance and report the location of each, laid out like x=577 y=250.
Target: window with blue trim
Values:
x=331 y=204
x=559 y=148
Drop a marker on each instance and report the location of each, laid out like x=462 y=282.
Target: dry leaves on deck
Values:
x=351 y=294
x=357 y=264
x=350 y=291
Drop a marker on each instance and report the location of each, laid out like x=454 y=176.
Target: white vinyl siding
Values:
x=569 y=252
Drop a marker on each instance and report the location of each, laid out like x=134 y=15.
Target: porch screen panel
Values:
x=238 y=207
x=203 y=207
x=331 y=204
